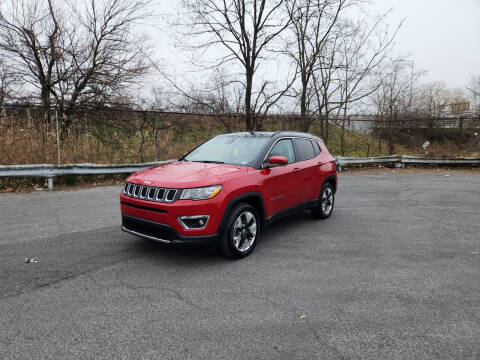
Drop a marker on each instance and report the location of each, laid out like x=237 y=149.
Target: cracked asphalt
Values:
x=393 y=274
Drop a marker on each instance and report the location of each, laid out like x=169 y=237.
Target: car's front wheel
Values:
x=326 y=201
x=241 y=232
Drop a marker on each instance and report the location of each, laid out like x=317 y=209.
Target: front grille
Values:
x=148 y=228
x=151 y=193
x=171 y=195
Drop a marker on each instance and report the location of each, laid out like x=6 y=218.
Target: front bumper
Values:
x=168 y=213
x=162 y=233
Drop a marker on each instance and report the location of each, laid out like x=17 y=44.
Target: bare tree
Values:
x=104 y=53
x=242 y=32
x=29 y=36
x=474 y=89
x=74 y=52
x=364 y=47
x=326 y=84
x=434 y=100
x=312 y=22
x=7 y=81
x=395 y=97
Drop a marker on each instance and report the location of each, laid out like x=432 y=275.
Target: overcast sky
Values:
x=442 y=36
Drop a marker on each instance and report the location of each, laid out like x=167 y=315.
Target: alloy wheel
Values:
x=327 y=201
x=244 y=231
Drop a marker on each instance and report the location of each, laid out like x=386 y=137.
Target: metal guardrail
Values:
x=402 y=160
x=51 y=171
x=458 y=161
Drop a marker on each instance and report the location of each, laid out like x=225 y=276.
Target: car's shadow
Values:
x=197 y=255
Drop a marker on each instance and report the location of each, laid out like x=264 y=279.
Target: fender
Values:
x=329 y=179
x=237 y=199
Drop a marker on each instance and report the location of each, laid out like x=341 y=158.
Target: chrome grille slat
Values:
x=149 y=191
x=171 y=192
x=155 y=194
x=162 y=197
x=143 y=193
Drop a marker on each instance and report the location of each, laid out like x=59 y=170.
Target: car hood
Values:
x=184 y=174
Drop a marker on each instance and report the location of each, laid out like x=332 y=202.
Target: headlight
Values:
x=202 y=193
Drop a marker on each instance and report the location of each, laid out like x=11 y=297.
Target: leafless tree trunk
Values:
x=241 y=31
x=30 y=33
x=104 y=53
x=74 y=52
x=312 y=22
x=7 y=81
x=474 y=88
x=393 y=98
x=364 y=48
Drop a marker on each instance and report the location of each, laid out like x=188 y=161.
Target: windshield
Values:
x=234 y=150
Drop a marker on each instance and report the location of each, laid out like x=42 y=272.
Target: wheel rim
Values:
x=244 y=231
x=327 y=201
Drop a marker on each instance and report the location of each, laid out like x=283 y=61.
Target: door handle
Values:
x=296 y=169
x=320 y=163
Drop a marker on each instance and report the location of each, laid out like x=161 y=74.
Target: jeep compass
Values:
x=227 y=189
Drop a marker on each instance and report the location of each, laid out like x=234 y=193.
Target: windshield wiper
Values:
x=209 y=161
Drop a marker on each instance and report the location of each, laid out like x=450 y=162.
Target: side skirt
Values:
x=290 y=211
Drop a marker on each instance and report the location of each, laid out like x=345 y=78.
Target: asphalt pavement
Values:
x=393 y=274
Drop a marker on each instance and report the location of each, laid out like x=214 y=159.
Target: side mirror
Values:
x=276 y=161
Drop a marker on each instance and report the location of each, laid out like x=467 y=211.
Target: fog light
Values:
x=193 y=222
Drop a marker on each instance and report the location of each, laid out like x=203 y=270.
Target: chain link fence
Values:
x=28 y=134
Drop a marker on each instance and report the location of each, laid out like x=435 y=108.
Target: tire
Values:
x=238 y=238
x=326 y=202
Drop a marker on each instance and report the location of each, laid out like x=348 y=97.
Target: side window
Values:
x=316 y=147
x=304 y=149
x=283 y=148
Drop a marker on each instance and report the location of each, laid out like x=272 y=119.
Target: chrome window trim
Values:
x=310 y=141
x=275 y=143
x=294 y=150
x=318 y=146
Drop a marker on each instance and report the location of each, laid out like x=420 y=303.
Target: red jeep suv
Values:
x=228 y=188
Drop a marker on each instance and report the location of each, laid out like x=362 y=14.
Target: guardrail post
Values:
x=50 y=183
x=58 y=139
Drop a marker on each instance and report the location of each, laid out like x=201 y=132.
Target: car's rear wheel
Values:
x=241 y=232
x=326 y=201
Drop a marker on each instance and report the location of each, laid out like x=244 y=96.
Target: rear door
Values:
x=281 y=182
x=307 y=165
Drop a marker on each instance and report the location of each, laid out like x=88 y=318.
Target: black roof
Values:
x=273 y=135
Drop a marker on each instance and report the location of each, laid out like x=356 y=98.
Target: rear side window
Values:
x=304 y=149
x=316 y=147
x=283 y=148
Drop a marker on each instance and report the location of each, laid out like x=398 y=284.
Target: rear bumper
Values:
x=162 y=232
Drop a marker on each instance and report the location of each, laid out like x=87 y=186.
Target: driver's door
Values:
x=281 y=182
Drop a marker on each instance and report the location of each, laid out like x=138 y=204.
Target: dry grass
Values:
x=116 y=145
